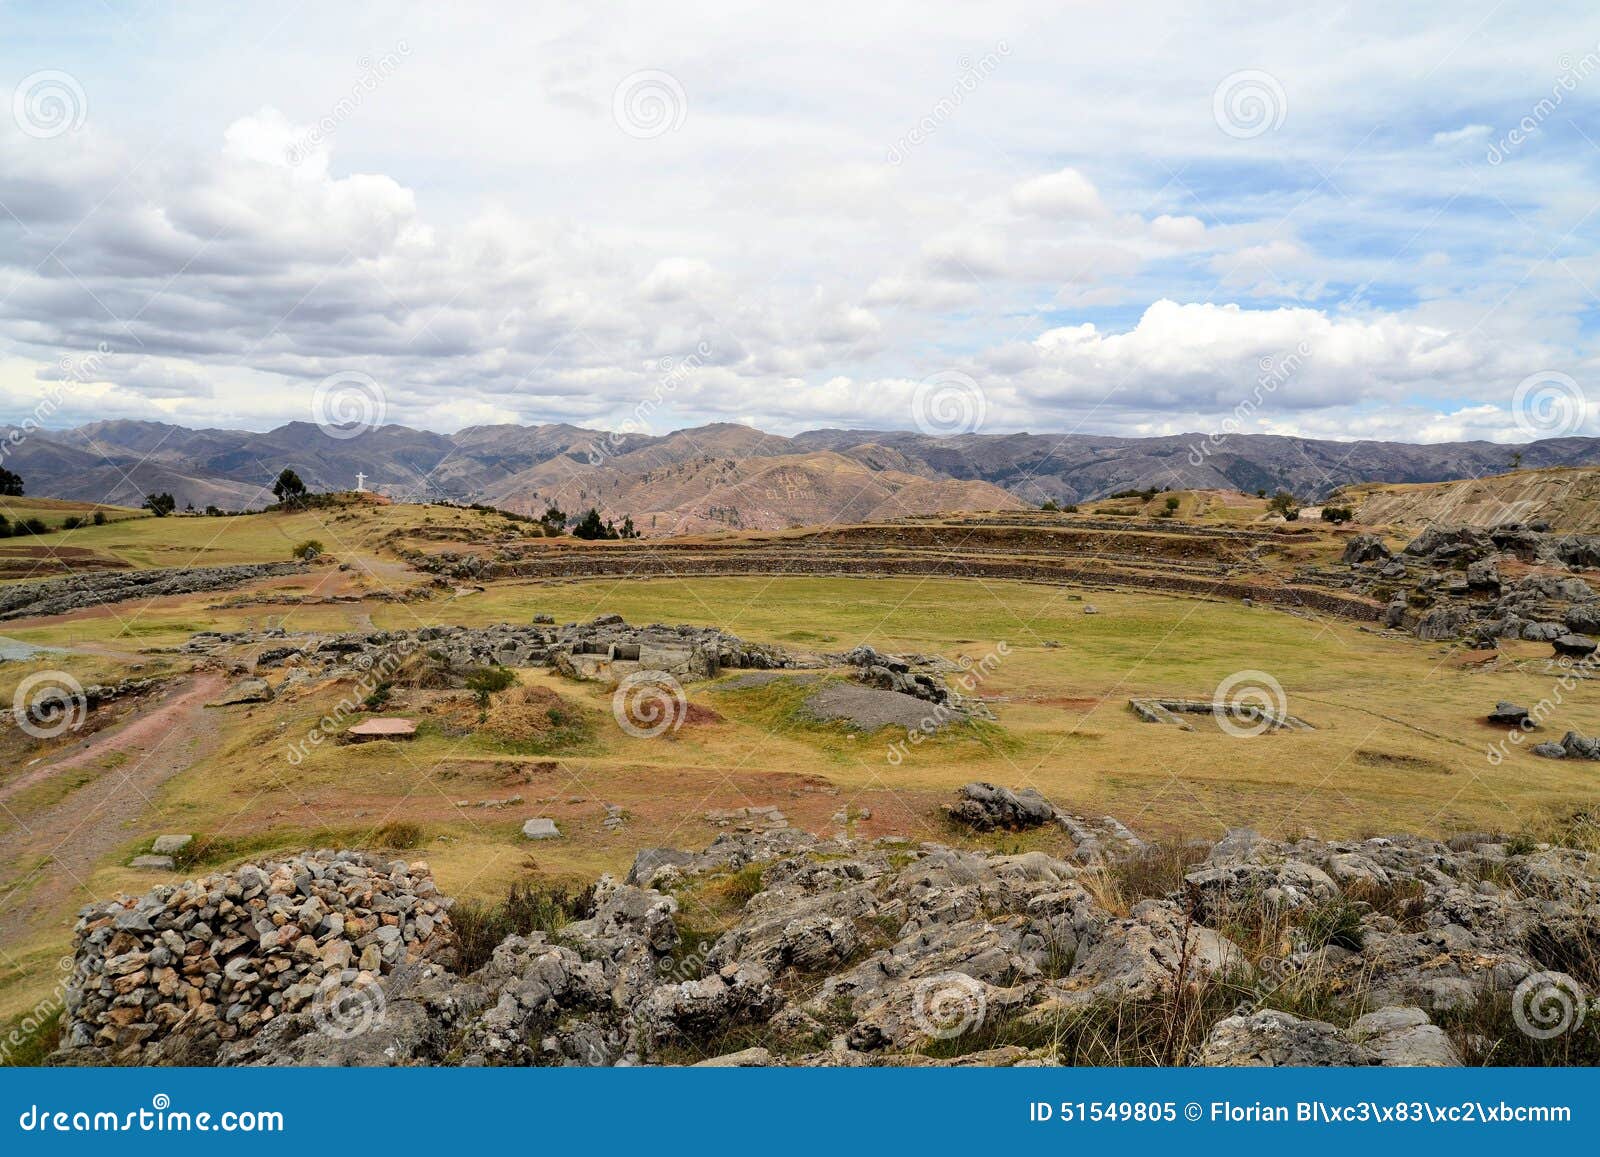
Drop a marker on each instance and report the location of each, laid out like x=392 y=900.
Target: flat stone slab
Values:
x=245 y=691
x=170 y=845
x=384 y=727
x=153 y=863
x=541 y=828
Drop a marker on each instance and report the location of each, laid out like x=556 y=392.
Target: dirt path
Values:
x=48 y=855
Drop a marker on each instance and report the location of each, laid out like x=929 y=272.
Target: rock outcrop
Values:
x=96 y=588
x=845 y=953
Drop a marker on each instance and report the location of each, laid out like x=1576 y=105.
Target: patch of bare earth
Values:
x=48 y=854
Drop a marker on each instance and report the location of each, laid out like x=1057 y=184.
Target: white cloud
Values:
x=1067 y=193
x=1462 y=135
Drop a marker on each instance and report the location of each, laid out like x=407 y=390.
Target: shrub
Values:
x=309 y=549
x=485 y=681
x=71 y=522
x=400 y=834
x=32 y=526
x=99 y=518
x=1337 y=514
x=479 y=927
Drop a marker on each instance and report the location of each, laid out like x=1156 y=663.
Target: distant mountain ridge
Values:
x=724 y=474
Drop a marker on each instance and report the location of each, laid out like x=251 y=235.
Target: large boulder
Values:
x=985 y=807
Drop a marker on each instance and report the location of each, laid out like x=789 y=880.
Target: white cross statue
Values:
x=361 y=482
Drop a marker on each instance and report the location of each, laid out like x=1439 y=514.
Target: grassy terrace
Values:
x=1378 y=760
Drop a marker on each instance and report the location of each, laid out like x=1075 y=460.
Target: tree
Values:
x=554 y=521
x=628 y=530
x=1049 y=504
x=590 y=526
x=1285 y=504
x=1172 y=504
x=160 y=505
x=10 y=483
x=1337 y=514
x=1516 y=463
x=288 y=489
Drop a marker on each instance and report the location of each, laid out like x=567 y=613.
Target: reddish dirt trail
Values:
x=48 y=854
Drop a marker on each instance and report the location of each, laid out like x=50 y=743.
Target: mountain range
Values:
x=723 y=476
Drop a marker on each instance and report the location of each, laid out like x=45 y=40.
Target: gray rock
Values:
x=170 y=845
x=985 y=807
x=245 y=691
x=1272 y=1039
x=153 y=863
x=540 y=828
x=1404 y=1036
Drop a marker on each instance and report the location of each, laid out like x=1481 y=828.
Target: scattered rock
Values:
x=153 y=863
x=540 y=828
x=1508 y=714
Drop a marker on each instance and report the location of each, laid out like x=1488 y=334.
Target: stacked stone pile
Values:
x=174 y=974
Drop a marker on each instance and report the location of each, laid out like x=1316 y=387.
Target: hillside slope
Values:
x=1568 y=499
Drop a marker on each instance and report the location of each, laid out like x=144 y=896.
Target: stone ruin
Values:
x=849 y=953
x=172 y=976
x=1447 y=583
x=1171 y=712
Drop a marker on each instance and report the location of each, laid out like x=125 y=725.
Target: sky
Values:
x=1367 y=221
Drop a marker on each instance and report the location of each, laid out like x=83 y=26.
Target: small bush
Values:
x=480 y=927
x=33 y=526
x=485 y=681
x=400 y=835
x=71 y=522
x=309 y=549
x=99 y=518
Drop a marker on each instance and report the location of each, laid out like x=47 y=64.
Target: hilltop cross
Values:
x=361 y=482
